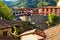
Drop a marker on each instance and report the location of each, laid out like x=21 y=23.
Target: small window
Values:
x=55 y=10
x=43 y=10
x=47 y=9
x=13 y=13
x=20 y=12
x=16 y=26
x=12 y=29
x=5 y=33
x=16 y=12
x=51 y=10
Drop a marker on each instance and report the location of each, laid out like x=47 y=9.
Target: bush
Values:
x=53 y=19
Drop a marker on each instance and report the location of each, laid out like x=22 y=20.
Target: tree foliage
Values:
x=42 y=4
x=34 y=3
x=5 y=12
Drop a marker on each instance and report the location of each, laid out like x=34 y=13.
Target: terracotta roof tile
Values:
x=8 y=38
x=34 y=31
x=53 y=33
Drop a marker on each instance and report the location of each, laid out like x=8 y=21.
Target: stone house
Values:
x=34 y=34
x=5 y=28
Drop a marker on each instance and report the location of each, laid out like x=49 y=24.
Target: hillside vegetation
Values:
x=32 y=3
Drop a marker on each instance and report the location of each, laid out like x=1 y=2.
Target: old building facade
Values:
x=50 y=9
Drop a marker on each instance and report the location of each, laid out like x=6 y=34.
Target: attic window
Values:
x=5 y=33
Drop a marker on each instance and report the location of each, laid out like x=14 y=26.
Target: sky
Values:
x=9 y=0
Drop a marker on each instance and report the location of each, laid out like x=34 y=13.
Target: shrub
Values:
x=53 y=19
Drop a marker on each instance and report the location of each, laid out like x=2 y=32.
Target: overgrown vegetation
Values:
x=15 y=32
x=53 y=19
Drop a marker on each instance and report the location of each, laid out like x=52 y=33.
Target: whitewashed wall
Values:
x=31 y=37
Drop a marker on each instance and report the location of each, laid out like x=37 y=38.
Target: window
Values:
x=5 y=33
x=20 y=12
x=51 y=10
x=13 y=13
x=43 y=10
x=47 y=9
x=16 y=12
x=12 y=29
x=16 y=26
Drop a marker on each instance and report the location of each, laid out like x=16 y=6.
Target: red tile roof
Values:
x=34 y=31
x=53 y=33
x=8 y=38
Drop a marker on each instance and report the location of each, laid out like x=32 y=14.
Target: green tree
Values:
x=42 y=3
x=5 y=12
x=32 y=3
